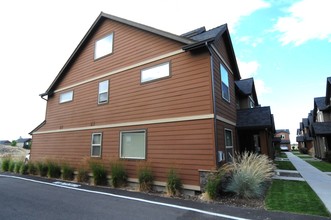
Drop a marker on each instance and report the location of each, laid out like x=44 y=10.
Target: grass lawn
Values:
x=282 y=155
x=284 y=165
x=294 y=196
x=321 y=165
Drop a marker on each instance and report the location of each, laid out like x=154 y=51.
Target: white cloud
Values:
x=248 y=69
x=307 y=20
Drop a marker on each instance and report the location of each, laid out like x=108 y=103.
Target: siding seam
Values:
x=122 y=69
x=127 y=124
x=225 y=120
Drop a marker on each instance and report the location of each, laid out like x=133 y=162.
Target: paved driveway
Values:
x=35 y=198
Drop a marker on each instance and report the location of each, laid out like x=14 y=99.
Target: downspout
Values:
x=214 y=101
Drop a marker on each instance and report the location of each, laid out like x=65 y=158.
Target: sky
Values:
x=284 y=44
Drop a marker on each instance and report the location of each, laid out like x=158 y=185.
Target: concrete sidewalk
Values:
x=319 y=181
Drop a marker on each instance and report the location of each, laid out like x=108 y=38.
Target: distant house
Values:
x=138 y=94
x=284 y=135
x=23 y=142
x=5 y=142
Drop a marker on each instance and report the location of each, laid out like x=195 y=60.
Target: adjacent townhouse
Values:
x=135 y=93
x=284 y=135
x=315 y=131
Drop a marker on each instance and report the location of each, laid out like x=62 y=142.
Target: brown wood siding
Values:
x=222 y=49
x=186 y=92
x=185 y=146
x=224 y=108
x=221 y=126
x=130 y=46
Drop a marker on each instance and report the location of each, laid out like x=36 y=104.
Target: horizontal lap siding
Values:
x=130 y=46
x=187 y=92
x=224 y=108
x=185 y=146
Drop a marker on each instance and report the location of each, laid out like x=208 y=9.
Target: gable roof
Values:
x=322 y=128
x=283 y=130
x=198 y=37
x=328 y=91
x=246 y=87
x=260 y=117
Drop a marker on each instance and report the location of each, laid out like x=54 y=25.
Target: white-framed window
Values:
x=282 y=136
x=96 y=144
x=103 y=92
x=225 y=83
x=104 y=46
x=133 y=144
x=228 y=145
x=155 y=72
x=66 y=96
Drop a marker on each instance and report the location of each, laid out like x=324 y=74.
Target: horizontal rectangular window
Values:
x=96 y=145
x=155 y=72
x=66 y=96
x=133 y=144
x=103 y=92
x=104 y=46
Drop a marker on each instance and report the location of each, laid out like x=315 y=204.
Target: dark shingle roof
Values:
x=300 y=138
x=260 y=117
x=320 y=103
x=305 y=122
x=247 y=87
x=321 y=128
x=207 y=35
x=283 y=130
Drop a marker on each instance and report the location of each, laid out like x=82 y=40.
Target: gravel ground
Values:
x=16 y=153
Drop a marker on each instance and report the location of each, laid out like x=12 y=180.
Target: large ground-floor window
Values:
x=133 y=144
x=96 y=145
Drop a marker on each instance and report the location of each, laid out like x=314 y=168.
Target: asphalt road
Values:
x=34 y=198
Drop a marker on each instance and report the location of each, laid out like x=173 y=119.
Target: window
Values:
x=104 y=46
x=103 y=92
x=225 y=83
x=133 y=144
x=155 y=72
x=96 y=145
x=66 y=97
x=228 y=145
x=282 y=136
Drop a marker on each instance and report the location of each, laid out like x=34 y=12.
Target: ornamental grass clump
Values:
x=145 y=177
x=18 y=166
x=119 y=176
x=42 y=169
x=83 y=176
x=67 y=172
x=11 y=166
x=54 y=170
x=250 y=174
x=5 y=164
x=32 y=168
x=99 y=174
x=174 y=183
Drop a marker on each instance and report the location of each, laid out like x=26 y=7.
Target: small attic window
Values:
x=103 y=46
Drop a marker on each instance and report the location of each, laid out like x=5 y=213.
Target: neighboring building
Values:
x=139 y=94
x=5 y=142
x=23 y=142
x=315 y=131
x=284 y=135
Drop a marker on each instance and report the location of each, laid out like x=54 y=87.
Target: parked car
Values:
x=283 y=148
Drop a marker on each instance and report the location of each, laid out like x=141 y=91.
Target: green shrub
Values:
x=11 y=166
x=83 y=176
x=250 y=175
x=174 y=183
x=213 y=187
x=118 y=174
x=32 y=169
x=5 y=164
x=18 y=166
x=99 y=174
x=328 y=156
x=24 y=169
x=42 y=168
x=53 y=170
x=67 y=172
x=145 y=177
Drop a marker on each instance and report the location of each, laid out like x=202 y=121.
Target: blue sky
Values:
x=283 y=44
